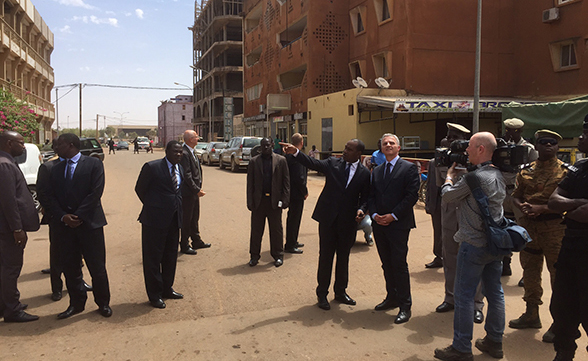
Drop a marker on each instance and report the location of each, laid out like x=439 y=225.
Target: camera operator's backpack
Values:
x=504 y=238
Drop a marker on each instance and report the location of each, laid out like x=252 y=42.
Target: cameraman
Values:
x=474 y=261
x=449 y=225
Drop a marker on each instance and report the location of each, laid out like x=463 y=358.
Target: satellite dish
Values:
x=382 y=83
x=361 y=82
x=356 y=83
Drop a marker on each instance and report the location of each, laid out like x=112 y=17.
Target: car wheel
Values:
x=220 y=163
x=234 y=166
x=33 y=191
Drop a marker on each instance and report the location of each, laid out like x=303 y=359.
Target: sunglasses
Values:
x=545 y=141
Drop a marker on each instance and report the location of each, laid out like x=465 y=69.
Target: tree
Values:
x=110 y=131
x=133 y=135
x=152 y=133
x=17 y=115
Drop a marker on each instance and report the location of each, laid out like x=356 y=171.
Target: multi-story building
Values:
x=174 y=116
x=293 y=50
x=26 y=44
x=218 y=66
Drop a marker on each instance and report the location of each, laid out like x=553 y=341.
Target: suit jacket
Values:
x=433 y=197
x=156 y=191
x=43 y=187
x=298 y=176
x=17 y=209
x=82 y=195
x=397 y=194
x=280 y=182
x=192 y=174
x=336 y=200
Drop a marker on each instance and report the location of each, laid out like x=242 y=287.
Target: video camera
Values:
x=507 y=157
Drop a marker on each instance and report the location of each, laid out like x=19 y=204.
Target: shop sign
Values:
x=449 y=106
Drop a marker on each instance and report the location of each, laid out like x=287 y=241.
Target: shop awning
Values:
x=564 y=117
x=438 y=104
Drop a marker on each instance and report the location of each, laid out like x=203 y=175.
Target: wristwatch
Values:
x=17 y=230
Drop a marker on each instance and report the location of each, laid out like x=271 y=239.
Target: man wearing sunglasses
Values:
x=535 y=183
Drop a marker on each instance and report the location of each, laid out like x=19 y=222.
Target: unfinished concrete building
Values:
x=218 y=66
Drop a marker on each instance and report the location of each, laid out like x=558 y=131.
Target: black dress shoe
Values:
x=478 y=316
x=105 y=311
x=158 y=303
x=278 y=262
x=253 y=262
x=344 y=298
x=324 y=303
x=436 y=263
x=199 y=245
x=88 y=287
x=387 y=304
x=71 y=310
x=293 y=250
x=445 y=307
x=299 y=245
x=188 y=250
x=173 y=295
x=46 y=271
x=521 y=283
x=56 y=296
x=403 y=316
x=20 y=316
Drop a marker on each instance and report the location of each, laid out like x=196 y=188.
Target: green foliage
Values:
x=16 y=115
x=132 y=135
x=152 y=133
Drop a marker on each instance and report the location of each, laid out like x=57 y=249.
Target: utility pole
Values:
x=57 y=109
x=80 y=109
x=97 y=134
x=476 y=120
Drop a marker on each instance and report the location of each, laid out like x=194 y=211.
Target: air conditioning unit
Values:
x=550 y=15
x=261 y=108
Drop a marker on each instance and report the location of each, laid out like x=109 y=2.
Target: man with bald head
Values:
x=191 y=193
x=17 y=217
x=475 y=263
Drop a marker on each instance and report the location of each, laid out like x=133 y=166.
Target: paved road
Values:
x=232 y=311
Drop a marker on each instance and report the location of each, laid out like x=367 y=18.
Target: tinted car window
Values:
x=93 y=143
x=220 y=145
x=250 y=143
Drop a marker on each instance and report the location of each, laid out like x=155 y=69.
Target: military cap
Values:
x=542 y=133
x=458 y=127
x=514 y=123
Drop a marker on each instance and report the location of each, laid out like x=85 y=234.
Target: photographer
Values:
x=475 y=263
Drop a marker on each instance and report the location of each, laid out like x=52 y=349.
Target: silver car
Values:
x=238 y=152
x=211 y=152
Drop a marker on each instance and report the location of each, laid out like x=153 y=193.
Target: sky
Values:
x=137 y=43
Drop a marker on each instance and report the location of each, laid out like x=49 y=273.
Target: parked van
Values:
x=29 y=162
x=238 y=152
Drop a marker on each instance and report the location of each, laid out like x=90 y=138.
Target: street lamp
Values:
x=210 y=130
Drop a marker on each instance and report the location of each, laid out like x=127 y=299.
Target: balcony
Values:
x=41 y=107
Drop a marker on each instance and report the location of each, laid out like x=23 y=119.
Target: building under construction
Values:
x=218 y=66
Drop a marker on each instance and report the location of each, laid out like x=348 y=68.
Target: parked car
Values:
x=211 y=152
x=238 y=152
x=91 y=148
x=199 y=149
x=143 y=142
x=29 y=162
x=121 y=144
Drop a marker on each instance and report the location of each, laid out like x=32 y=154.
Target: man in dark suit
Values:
x=158 y=188
x=191 y=193
x=394 y=192
x=17 y=217
x=77 y=184
x=298 y=194
x=342 y=203
x=268 y=192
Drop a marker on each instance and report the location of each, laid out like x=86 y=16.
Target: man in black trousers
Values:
x=298 y=194
x=158 y=188
x=77 y=184
x=394 y=192
x=191 y=193
x=268 y=192
x=342 y=203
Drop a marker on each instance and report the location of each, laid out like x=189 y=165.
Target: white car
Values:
x=29 y=162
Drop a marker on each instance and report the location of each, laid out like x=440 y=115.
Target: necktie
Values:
x=347 y=169
x=69 y=169
x=174 y=177
x=388 y=170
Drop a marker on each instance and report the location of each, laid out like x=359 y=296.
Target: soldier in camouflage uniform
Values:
x=513 y=129
x=535 y=183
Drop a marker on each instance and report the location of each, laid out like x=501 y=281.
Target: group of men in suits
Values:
x=350 y=192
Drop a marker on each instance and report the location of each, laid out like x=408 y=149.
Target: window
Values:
x=292 y=33
x=293 y=78
x=563 y=55
x=355 y=68
x=252 y=19
x=254 y=92
x=253 y=57
x=183 y=107
x=381 y=64
x=358 y=16
x=183 y=117
x=383 y=10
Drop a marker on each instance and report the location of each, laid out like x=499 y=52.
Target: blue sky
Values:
x=128 y=43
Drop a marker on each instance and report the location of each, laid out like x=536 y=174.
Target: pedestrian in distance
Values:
x=298 y=194
x=340 y=207
x=158 y=188
x=18 y=216
x=136 y=145
x=268 y=193
x=111 y=146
